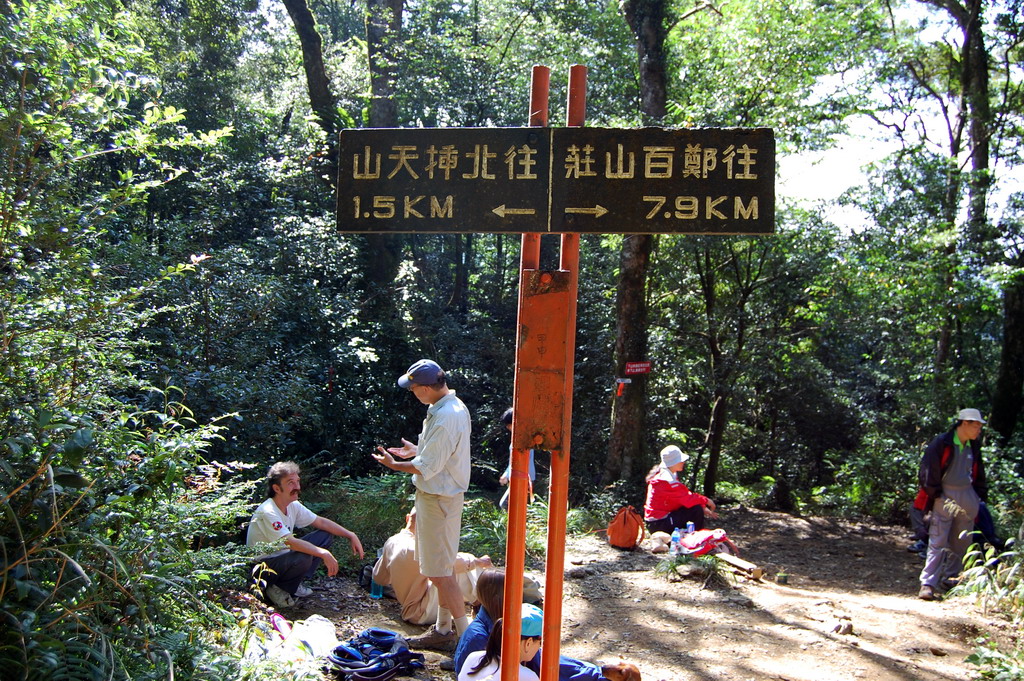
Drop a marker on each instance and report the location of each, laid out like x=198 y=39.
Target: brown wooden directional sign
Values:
x=646 y=180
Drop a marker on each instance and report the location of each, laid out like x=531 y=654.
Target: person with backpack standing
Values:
x=440 y=471
x=952 y=476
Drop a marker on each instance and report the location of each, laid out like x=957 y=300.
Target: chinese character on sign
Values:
x=746 y=160
x=480 y=158
x=580 y=162
x=521 y=163
x=444 y=160
x=638 y=368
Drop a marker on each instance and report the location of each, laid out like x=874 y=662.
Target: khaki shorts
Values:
x=438 y=525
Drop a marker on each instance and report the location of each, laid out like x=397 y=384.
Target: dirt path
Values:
x=615 y=606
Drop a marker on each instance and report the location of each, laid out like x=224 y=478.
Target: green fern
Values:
x=710 y=569
x=996 y=581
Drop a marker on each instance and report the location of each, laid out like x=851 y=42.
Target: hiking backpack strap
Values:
x=402 y=662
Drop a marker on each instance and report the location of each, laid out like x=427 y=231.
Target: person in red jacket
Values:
x=669 y=503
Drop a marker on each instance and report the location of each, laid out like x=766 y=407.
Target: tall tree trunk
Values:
x=947 y=265
x=715 y=436
x=1008 y=399
x=647 y=20
x=383 y=24
x=707 y=274
x=317 y=83
x=460 y=287
x=628 y=414
x=381 y=254
x=744 y=268
x=974 y=65
x=498 y=286
x=975 y=83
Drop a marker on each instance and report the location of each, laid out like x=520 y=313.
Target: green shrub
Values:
x=373 y=507
x=605 y=503
x=101 y=579
x=996 y=581
x=484 y=530
x=995 y=664
x=876 y=479
x=710 y=568
x=102 y=478
x=582 y=520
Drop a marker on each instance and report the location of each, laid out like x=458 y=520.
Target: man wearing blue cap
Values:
x=439 y=464
x=952 y=476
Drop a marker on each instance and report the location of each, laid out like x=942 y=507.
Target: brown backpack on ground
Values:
x=626 y=529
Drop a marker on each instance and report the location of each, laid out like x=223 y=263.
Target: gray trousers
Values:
x=949 y=535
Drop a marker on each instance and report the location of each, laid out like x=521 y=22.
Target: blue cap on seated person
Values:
x=533 y=621
x=672 y=455
x=423 y=372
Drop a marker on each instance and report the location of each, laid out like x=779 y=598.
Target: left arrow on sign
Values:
x=501 y=211
x=597 y=211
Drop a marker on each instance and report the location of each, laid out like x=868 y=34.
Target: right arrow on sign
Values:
x=597 y=211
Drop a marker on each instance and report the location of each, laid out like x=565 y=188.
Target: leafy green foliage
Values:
x=372 y=507
x=772 y=56
x=995 y=664
x=710 y=569
x=103 y=489
x=868 y=481
x=484 y=527
x=996 y=580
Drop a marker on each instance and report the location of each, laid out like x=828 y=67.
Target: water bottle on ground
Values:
x=376 y=590
x=674 y=546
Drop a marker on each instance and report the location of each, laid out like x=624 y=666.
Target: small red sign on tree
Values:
x=638 y=368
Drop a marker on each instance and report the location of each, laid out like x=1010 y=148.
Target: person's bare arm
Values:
x=337 y=530
x=303 y=546
x=384 y=457
x=464 y=562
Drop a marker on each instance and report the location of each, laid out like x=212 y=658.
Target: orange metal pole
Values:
x=576 y=111
x=540 y=82
x=538 y=117
x=559 y=484
x=515 y=538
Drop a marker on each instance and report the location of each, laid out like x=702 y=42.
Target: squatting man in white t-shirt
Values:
x=275 y=521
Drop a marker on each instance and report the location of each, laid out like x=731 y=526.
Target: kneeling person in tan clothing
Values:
x=399 y=568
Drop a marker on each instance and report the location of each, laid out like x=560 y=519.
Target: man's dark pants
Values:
x=293 y=567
